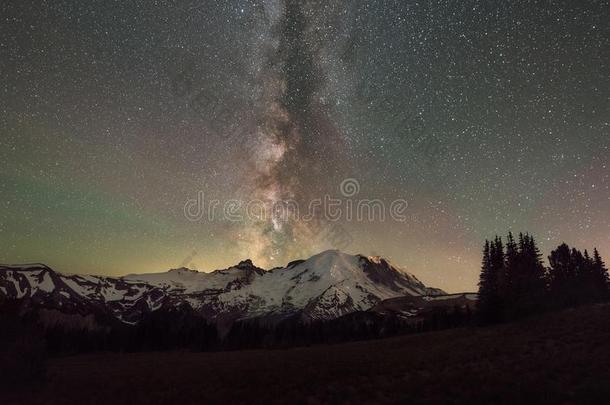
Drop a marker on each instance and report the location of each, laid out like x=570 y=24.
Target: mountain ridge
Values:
x=325 y=286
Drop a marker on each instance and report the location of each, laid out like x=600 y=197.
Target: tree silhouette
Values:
x=562 y=276
x=514 y=282
x=599 y=277
x=489 y=304
x=576 y=278
x=524 y=288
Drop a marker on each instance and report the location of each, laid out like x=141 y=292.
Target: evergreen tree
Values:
x=536 y=275
x=562 y=276
x=498 y=263
x=600 y=276
x=485 y=283
x=511 y=251
x=489 y=305
x=588 y=290
x=582 y=286
x=486 y=287
x=526 y=277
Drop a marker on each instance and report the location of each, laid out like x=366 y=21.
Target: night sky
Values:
x=486 y=116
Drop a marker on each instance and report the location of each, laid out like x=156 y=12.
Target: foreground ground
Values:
x=556 y=358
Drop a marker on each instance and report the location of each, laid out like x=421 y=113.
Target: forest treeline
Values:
x=182 y=327
x=514 y=281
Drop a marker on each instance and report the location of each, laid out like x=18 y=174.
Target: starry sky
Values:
x=485 y=116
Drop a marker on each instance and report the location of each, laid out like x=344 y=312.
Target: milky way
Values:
x=293 y=130
x=484 y=116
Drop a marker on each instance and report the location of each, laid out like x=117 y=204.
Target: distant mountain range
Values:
x=326 y=286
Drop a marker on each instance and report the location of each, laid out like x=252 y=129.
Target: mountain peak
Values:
x=248 y=266
x=182 y=270
x=245 y=263
x=375 y=259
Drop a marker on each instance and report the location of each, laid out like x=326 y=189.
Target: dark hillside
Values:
x=561 y=357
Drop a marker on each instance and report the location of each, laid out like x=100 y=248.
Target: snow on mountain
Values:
x=43 y=287
x=325 y=286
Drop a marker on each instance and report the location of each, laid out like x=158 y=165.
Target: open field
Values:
x=555 y=358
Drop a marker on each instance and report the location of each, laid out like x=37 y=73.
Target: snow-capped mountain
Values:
x=325 y=286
